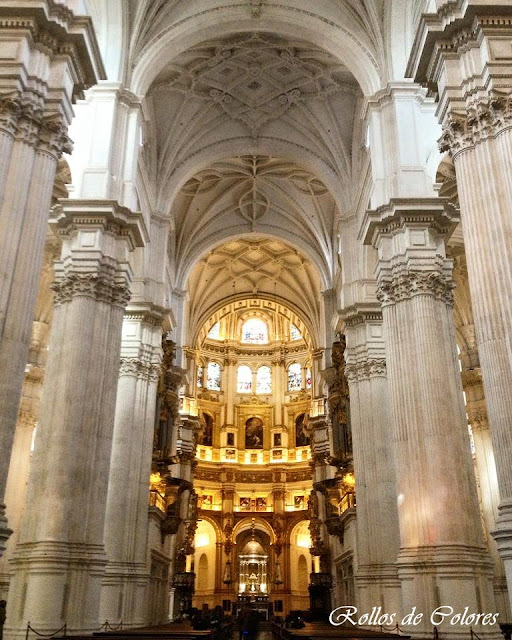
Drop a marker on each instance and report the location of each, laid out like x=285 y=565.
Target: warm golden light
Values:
x=349 y=479
x=304 y=540
x=202 y=540
x=155 y=478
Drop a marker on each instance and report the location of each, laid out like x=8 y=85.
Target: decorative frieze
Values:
x=297 y=476
x=249 y=477
x=208 y=474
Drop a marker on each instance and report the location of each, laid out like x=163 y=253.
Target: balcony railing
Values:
x=157 y=500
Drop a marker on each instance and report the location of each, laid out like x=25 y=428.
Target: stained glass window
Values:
x=214 y=333
x=264 y=380
x=308 y=378
x=295 y=334
x=244 y=379
x=255 y=331
x=294 y=377
x=200 y=374
x=213 y=376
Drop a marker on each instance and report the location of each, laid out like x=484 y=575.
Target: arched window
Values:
x=308 y=378
x=200 y=374
x=264 y=380
x=295 y=334
x=213 y=376
x=244 y=379
x=255 y=331
x=214 y=333
x=294 y=377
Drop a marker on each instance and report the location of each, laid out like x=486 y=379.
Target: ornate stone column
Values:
x=378 y=536
x=442 y=558
x=123 y=597
x=28 y=414
x=49 y=56
x=463 y=52
x=59 y=561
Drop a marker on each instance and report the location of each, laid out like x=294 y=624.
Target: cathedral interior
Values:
x=256 y=314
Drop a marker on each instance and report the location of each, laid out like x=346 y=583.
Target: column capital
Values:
x=474 y=90
x=366 y=369
x=97 y=237
x=138 y=368
x=410 y=235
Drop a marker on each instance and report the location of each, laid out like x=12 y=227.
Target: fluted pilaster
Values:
x=378 y=537
x=124 y=588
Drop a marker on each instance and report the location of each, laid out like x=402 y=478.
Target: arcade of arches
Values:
x=255 y=309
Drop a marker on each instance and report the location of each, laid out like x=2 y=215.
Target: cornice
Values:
x=399 y=212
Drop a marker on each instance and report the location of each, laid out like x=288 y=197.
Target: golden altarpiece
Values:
x=251 y=534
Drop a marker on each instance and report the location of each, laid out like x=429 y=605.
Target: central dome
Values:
x=253 y=548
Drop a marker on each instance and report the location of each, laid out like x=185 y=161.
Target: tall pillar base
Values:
x=458 y=578
x=60 y=583
x=503 y=537
x=124 y=595
x=378 y=585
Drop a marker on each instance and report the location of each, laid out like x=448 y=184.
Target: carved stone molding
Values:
x=138 y=368
x=485 y=118
x=101 y=287
x=256 y=7
x=5 y=532
x=367 y=369
x=478 y=418
x=22 y=117
x=10 y=108
x=405 y=286
x=53 y=136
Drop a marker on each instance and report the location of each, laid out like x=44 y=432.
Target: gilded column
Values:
x=60 y=559
x=126 y=580
x=466 y=56
x=442 y=558
x=378 y=536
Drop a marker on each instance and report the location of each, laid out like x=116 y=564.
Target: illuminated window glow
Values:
x=255 y=331
x=200 y=374
x=244 y=379
x=202 y=540
x=214 y=333
x=213 y=376
x=264 y=380
x=294 y=377
x=295 y=334
x=303 y=540
x=308 y=378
